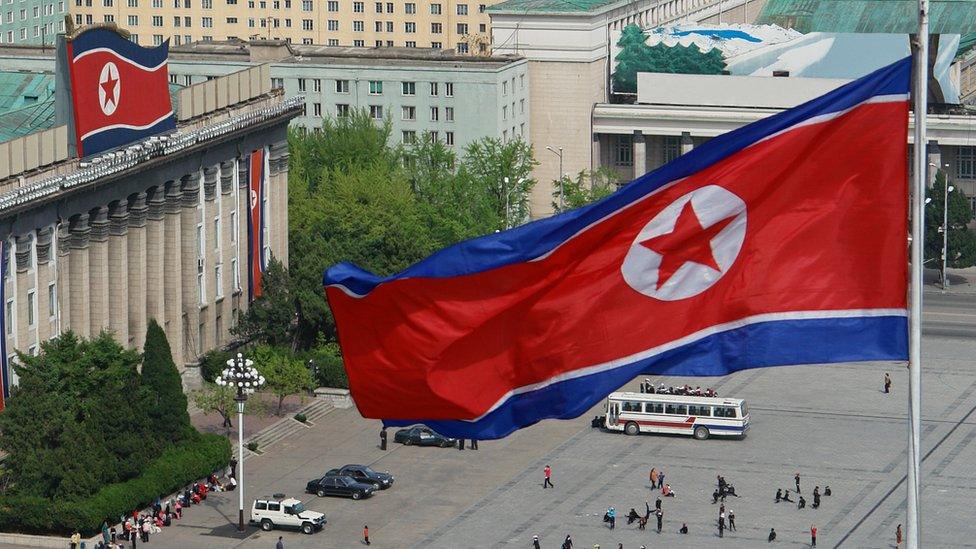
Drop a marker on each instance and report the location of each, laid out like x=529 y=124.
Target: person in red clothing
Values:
x=548 y=482
x=366 y=534
x=813 y=536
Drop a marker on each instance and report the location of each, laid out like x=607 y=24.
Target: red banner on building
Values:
x=255 y=224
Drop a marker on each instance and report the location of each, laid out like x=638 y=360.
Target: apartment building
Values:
x=438 y=24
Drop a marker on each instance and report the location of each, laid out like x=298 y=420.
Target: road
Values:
x=951 y=315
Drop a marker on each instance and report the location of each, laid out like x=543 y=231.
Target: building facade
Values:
x=457 y=99
x=155 y=231
x=354 y=23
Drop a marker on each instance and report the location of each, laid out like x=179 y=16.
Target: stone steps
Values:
x=289 y=425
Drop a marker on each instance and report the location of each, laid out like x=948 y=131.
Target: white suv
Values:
x=285 y=513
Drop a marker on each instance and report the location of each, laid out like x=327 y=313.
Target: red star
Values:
x=689 y=241
x=109 y=87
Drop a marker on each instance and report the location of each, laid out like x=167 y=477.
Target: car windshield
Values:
x=297 y=508
x=367 y=470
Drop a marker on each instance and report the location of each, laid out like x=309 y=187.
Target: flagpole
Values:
x=920 y=94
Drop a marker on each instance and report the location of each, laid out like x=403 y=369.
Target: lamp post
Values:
x=240 y=374
x=562 y=198
x=947 y=188
x=508 y=197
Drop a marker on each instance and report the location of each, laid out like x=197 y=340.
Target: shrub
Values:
x=330 y=371
x=212 y=363
x=191 y=460
x=301 y=417
x=252 y=446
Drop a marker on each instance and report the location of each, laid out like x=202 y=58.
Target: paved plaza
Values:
x=832 y=424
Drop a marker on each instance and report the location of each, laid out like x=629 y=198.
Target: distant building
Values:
x=457 y=99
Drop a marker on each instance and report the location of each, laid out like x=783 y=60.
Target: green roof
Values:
x=22 y=88
x=869 y=16
x=550 y=6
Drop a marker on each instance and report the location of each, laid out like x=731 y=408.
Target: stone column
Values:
x=118 y=272
x=211 y=253
x=686 y=143
x=640 y=154
x=173 y=271
x=64 y=275
x=155 y=252
x=98 y=268
x=934 y=154
x=279 y=183
x=136 y=251
x=596 y=153
x=79 y=292
x=191 y=298
x=25 y=283
x=224 y=308
x=45 y=328
x=243 y=204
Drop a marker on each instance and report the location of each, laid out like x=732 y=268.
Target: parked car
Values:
x=422 y=436
x=285 y=513
x=362 y=473
x=339 y=485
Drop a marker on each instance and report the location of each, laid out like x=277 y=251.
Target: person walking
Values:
x=731 y=520
x=813 y=535
x=568 y=542
x=721 y=524
x=653 y=476
x=460 y=444
x=548 y=482
x=660 y=479
x=898 y=536
x=280 y=544
x=772 y=535
x=535 y=542
x=366 y=534
x=474 y=444
x=383 y=438
x=887 y=383
x=612 y=515
x=657 y=503
x=76 y=540
x=660 y=520
x=796 y=479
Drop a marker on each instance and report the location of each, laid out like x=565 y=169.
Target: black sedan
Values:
x=342 y=486
x=365 y=475
x=422 y=436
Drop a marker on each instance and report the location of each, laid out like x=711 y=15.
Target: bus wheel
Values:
x=701 y=433
x=631 y=428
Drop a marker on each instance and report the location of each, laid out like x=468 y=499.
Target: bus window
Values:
x=631 y=406
x=744 y=410
x=682 y=410
x=653 y=408
x=670 y=409
x=705 y=411
x=724 y=411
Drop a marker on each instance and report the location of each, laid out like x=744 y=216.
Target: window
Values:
x=207 y=4
x=449 y=89
x=378 y=43
x=434 y=114
x=218 y=281
x=52 y=299
x=521 y=106
x=410 y=8
x=333 y=5
x=481 y=8
x=375 y=87
x=462 y=47
x=357 y=26
x=342 y=110
x=966 y=162
x=342 y=86
x=207 y=22
x=237 y=274
x=389 y=7
x=409 y=27
x=132 y=3
x=157 y=39
x=277 y=83
x=449 y=114
x=332 y=42
x=379 y=7
x=9 y=319
x=522 y=81
x=409 y=113
x=157 y=21
x=435 y=9
x=317 y=109
x=505 y=112
x=409 y=136
x=504 y=135
x=176 y=21
x=334 y=25
x=435 y=28
x=653 y=408
x=231 y=20
x=670 y=148
x=389 y=28
x=317 y=85
x=436 y=45
x=449 y=138
x=505 y=87
x=30 y=309
x=409 y=88
x=410 y=44
x=462 y=29
x=357 y=7
x=306 y=5
x=628 y=406
x=623 y=150
x=433 y=89
x=133 y=20
x=462 y=9
x=307 y=24
x=376 y=112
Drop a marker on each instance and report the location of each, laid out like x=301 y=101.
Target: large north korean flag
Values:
x=120 y=90
x=783 y=242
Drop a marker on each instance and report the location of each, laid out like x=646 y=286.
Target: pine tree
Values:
x=168 y=412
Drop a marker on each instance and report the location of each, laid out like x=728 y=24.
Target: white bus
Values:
x=635 y=413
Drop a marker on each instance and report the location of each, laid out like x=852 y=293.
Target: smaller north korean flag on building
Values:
x=119 y=90
x=782 y=242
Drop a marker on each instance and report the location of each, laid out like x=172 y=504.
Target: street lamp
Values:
x=561 y=190
x=947 y=188
x=241 y=375
x=508 y=197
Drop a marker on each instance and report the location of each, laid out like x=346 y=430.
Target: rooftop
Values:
x=551 y=6
x=277 y=51
x=869 y=16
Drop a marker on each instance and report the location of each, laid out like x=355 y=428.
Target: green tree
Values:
x=216 y=399
x=78 y=418
x=284 y=374
x=271 y=318
x=488 y=162
x=961 y=240
x=588 y=186
x=159 y=374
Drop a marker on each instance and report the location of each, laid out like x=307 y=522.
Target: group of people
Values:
x=140 y=525
x=685 y=390
x=801 y=502
x=724 y=490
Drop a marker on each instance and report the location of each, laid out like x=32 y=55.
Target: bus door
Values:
x=613 y=413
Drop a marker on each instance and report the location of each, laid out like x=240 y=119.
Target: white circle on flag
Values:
x=254 y=199
x=109 y=88
x=688 y=246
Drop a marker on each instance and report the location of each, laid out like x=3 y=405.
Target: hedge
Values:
x=177 y=467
